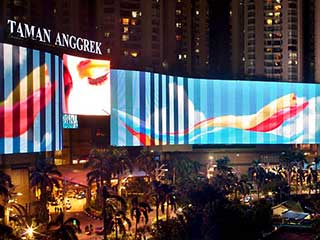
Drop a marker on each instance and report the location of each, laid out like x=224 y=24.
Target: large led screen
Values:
x=30 y=100
x=86 y=86
x=154 y=109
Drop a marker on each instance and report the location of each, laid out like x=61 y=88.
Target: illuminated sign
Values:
x=86 y=86
x=23 y=30
x=70 y=121
x=30 y=100
x=155 y=109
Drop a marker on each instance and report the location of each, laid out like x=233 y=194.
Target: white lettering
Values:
x=58 y=41
x=19 y=30
x=79 y=45
x=65 y=39
x=39 y=36
x=47 y=33
x=28 y=32
x=72 y=42
x=91 y=46
x=86 y=45
x=12 y=24
x=98 y=50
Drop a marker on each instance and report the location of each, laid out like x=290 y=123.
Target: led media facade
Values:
x=30 y=100
x=154 y=109
x=70 y=121
x=86 y=86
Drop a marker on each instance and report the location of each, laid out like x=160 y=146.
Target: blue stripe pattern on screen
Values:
x=23 y=85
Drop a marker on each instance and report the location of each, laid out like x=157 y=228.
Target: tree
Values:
x=148 y=162
x=257 y=174
x=43 y=176
x=114 y=214
x=139 y=209
x=60 y=229
x=183 y=170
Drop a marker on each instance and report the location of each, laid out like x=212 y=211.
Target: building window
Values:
x=134 y=54
x=125 y=37
x=178 y=24
x=125 y=21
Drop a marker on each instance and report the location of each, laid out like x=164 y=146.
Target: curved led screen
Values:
x=155 y=109
x=30 y=100
x=86 y=86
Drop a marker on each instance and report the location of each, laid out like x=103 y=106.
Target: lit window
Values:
x=108 y=50
x=270 y=35
x=197 y=12
x=178 y=11
x=179 y=56
x=178 y=37
x=278 y=1
x=197 y=50
x=185 y=56
x=125 y=21
x=230 y=13
x=133 y=22
x=125 y=52
x=125 y=37
x=134 y=14
x=290 y=62
x=125 y=29
x=277 y=7
x=178 y=25
x=107 y=34
x=270 y=14
x=134 y=54
x=269 y=21
x=277 y=14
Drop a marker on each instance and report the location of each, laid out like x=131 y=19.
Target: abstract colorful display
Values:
x=30 y=100
x=70 y=121
x=155 y=109
x=86 y=86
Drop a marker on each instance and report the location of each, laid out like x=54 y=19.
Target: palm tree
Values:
x=114 y=214
x=5 y=186
x=43 y=176
x=120 y=162
x=257 y=174
x=147 y=162
x=61 y=229
x=100 y=173
x=183 y=170
x=316 y=162
x=139 y=209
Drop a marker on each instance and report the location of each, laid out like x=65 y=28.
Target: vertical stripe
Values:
x=176 y=117
x=2 y=95
x=156 y=108
x=180 y=109
x=36 y=85
x=48 y=110
x=16 y=98
x=53 y=80
x=185 y=110
x=23 y=95
x=147 y=106
x=160 y=109
x=42 y=103
x=164 y=109
x=142 y=101
x=191 y=111
x=29 y=92
x=57 y=101
x=203 y=107
x=135 y=92
x=152 y=108
x=8 y=96
x=171 y=109
x=129 y=81
x=114 y=106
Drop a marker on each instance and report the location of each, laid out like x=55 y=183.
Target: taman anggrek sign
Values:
x=44 y=35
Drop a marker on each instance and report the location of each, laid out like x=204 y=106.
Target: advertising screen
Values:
x=30 y=100
x=86 y=86
x=70 y=121
x=154 y=109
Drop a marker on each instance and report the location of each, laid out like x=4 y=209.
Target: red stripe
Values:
x=278 y=118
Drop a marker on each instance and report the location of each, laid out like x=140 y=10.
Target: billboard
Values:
x=155 y=109
x=86 y=86
x=70 y=121
x=30 y=100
